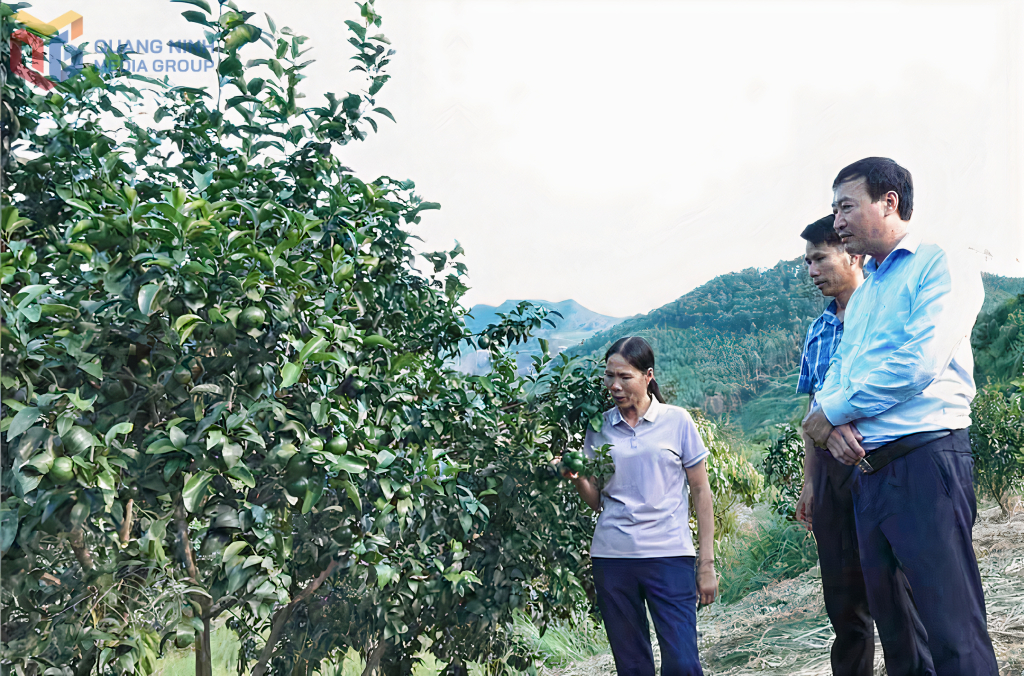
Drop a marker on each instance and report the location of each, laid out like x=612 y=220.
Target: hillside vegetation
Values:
x=732 y=346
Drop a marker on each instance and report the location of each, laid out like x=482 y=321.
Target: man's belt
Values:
x=897 y=448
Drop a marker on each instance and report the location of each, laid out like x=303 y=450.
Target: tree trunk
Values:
x=374 y=656
x=204 y=652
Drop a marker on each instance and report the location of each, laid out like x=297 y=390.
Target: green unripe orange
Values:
x=251 y=318
x=62 y=471
x=182 y=375
x=338 y=445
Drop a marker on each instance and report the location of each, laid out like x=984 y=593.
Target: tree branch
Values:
x=187 y=555
x=126 y=525
x=374 y=657
x=282 y=615
x=76 y=538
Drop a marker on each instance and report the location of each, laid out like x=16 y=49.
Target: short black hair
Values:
x=882 y=175
x=822 y=231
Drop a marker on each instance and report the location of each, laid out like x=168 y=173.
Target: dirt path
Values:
x=783 y=629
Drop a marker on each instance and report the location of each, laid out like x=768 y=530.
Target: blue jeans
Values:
x=668 y=587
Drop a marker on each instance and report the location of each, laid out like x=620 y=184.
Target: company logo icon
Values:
x=46 y=59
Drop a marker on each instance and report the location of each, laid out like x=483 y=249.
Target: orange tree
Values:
x=227 y=391
x=226 y=386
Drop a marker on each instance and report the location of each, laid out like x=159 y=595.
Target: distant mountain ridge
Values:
x=576 y=324
x=575 y=318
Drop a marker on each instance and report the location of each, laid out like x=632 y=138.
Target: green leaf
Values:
x=202 y=4
x=160 y=446
x=196 y=17
x=195 y=490
x=353 y=494
x=290 y=374
x=8 y=529
x=93 y=367
x=79 y=204
x=357 y=29
x=25 y=418
x=314 y=344
x=146 y=295
x=232 y=550
x=78 y=402
x=386 y=113
x=119 y=428
x=351 y=463
x=178 y=438
x=231 y=454
x=193 y=48
x=185 y=319
x=30 y=293
x=241 y=35
x=385 y=574
x=242 y=473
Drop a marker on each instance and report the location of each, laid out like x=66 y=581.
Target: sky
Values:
x=621 y=153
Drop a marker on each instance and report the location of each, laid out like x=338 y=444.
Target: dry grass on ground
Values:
x=783 y=628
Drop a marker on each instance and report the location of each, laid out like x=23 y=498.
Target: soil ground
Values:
x=783 y=629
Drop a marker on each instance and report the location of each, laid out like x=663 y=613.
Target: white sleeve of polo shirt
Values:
x=690 y=443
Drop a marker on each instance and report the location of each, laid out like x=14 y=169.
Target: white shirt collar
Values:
x=650 y=416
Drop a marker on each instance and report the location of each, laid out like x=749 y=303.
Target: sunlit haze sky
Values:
x=623 y=153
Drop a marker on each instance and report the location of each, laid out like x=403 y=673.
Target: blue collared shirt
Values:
x=905 y=363
x=644 y=505
x=823 y=338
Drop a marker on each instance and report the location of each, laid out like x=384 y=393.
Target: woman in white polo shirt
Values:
x=642 y=550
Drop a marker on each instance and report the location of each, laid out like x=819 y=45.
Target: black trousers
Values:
x=914 y=521
x=842 y=580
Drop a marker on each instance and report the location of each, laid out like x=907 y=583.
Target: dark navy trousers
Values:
x=914 y=520
x=668 y=587
x=842 y=580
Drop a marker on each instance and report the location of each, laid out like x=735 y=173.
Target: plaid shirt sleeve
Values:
x=806 y=385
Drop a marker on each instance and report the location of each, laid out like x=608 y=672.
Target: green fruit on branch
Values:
x=338 y=445
x=297 y=487
x=62 y=471
x=254 y=374
x=315 y=443
x=182 y=375
x=251 y=318
x=299 y=466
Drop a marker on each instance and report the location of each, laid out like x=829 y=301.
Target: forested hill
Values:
x=732 y=346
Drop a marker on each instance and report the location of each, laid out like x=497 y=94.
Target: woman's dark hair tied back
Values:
x=638 y=353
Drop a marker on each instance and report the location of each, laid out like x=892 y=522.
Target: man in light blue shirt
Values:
x=896 y=402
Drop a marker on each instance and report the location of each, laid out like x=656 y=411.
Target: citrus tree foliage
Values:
x=732 y=478
x=784 y=468
x=997 y=442
x=226 y=391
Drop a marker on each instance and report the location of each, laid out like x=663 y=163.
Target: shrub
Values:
x=784 y=468
x=733 y=479
x=997 y=442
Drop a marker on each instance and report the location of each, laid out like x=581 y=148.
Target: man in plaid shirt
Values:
x=826 y=503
